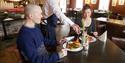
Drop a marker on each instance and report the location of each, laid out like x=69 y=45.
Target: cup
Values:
x=85 y=45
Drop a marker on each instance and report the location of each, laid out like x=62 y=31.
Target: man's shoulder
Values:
x=25 y=31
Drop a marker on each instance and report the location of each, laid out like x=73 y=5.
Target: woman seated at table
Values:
x=88 y=24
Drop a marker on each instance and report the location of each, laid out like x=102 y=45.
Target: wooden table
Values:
x=3 y=21
x=98 y=53
x=115 y=28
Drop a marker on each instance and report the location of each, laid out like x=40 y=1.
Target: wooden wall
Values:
x=118 y=8
x=72 y=3
x=94 y=6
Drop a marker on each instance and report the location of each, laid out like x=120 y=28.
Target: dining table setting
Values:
x=93 y=50
x=89 y=48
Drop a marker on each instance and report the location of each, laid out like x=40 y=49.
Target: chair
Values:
x=120 y=42
x=116 y=33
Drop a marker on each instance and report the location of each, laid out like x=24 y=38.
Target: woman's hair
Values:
x=86 y=6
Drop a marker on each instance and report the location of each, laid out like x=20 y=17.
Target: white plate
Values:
x=69 y=38
x=93 y=39
x=7 y=19
x=73 y=50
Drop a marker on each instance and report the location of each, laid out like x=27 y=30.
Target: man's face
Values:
x=36 y=17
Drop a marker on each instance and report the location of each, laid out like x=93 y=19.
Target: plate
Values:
x=7 y=19
x=72 y=49
x=69 y=38
x=91 y=39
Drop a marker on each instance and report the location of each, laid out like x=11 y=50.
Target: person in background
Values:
x=52 y=12
x=87 y=21
x=30 y=41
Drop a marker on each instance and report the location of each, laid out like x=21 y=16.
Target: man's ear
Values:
x=30 y=16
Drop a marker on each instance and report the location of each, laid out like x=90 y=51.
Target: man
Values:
x=31 y=42
x=52 y=12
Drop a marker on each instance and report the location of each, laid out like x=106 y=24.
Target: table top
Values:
x=114 y=21
x=99 y=52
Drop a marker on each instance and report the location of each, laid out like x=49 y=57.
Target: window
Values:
x=104 y=4
x=79 y=4
x=62 y=4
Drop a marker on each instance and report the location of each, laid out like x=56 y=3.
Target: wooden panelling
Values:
x=118 y=8
x=94 y=6
x=72 y=3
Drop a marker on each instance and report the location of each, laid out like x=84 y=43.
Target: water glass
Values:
x=124 y=19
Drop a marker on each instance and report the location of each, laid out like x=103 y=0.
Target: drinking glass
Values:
x=124 y=19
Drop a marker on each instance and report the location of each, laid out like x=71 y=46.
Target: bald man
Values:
x=31 y=42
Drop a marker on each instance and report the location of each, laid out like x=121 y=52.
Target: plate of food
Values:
x=90 y=39
x=73 y=46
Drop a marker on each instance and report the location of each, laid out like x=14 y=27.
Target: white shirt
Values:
x=51 y=7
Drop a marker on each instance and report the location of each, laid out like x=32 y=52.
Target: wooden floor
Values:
x=8 y=52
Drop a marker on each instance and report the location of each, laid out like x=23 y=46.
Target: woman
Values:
x=87 y=21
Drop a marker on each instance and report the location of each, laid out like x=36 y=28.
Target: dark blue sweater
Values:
x=31 y=42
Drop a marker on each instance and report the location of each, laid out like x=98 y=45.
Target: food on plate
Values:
x=73 y=44
x=90 y=38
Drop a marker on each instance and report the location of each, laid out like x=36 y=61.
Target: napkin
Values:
x=103 y=37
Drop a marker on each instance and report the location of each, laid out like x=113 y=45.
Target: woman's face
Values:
x=87 y=13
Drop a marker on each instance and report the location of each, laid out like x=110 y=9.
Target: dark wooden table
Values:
x=3 y=22
x=98 y=53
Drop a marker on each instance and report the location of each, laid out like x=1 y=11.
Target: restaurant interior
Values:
x=108 y=15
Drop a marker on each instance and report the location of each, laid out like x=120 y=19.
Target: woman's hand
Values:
x=95 y=34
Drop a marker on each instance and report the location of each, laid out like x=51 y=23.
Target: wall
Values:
x=94 y=6
x=118 y=8
x=6 y=5
x=72 y=3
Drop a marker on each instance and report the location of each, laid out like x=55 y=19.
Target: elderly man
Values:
x=31 y=41
x=52 y=12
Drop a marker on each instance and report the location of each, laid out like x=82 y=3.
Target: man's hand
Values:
x=76 y=28
x=62 y=53
x=62 y=41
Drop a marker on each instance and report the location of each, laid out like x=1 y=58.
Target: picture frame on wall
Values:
x=121 y=2
x=114 y=2
x=93 y=1
x=87 y=1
